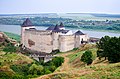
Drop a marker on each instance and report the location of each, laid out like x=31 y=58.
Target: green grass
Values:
x=13 y=36
x=109 y=71
x=13 y=58
x=74 y=56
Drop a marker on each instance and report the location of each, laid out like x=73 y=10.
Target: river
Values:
x=17 y=30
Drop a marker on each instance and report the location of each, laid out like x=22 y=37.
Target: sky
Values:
x=59 y=6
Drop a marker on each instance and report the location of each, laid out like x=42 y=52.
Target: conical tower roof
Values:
x=79 y=33
x=56 y=28
x=61 y=25
x=27 y=23
x=50 y=28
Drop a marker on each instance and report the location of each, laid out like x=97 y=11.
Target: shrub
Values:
x=52 y=68
x=35 y=69
x=74 y=49
x=4 y=75
x=87 y=57
x=21 y=69
x=10 y=48
x=47 y=71
x=58 y=61
x=17 y=76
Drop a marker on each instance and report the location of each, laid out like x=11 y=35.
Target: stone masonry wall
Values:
x=23 y=33
x=38 y=40
x=55 y=36
x=66 y=42
x=77 y=41
x=79 y=38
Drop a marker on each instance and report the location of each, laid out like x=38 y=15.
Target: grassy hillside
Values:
x=103 y=71
x=73 y=68
x=14 y=65
x=8 y=59
x=13 y=36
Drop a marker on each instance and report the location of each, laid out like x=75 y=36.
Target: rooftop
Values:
x=61 y=25
x=56 y=28
x=79 y=33
x=27 y=23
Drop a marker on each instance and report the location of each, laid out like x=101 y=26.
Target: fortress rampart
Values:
x=53 y=38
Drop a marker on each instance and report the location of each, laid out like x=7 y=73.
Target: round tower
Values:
x=27 y=24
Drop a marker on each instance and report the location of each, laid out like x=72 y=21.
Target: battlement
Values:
x=66 y=37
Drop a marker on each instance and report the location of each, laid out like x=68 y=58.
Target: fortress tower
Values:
x=27 y=24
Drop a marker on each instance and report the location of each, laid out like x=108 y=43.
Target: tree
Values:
x=58 y=61
x=114 y=50
x=87 y=57
x=103 y=46
x=109 y=47
x=35 y=69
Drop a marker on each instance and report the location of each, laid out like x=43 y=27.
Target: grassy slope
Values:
x=13 y=58
x=73 y=68
x=102 y=69
x=74 y=56
x=6 y=60
x=13 y=36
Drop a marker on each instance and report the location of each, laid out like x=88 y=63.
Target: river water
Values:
x=17 y=30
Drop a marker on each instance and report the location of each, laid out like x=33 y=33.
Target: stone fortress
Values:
x=51 y=39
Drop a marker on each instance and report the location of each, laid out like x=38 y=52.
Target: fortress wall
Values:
x=84 y=37
x=23 y=33
x=66 y=42
x=55 y=37
x=79 y=38
x=77 y=41
x=38 y=40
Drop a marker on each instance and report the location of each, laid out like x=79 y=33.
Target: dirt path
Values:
x=66 y=68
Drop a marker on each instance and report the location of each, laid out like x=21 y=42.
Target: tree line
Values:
x=108 y=48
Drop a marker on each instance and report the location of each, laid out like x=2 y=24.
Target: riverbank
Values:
x=110 y=31
x=16 y=29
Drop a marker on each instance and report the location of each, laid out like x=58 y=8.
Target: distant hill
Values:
x=107 y=15
x=89 y=16
x=89 y=21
